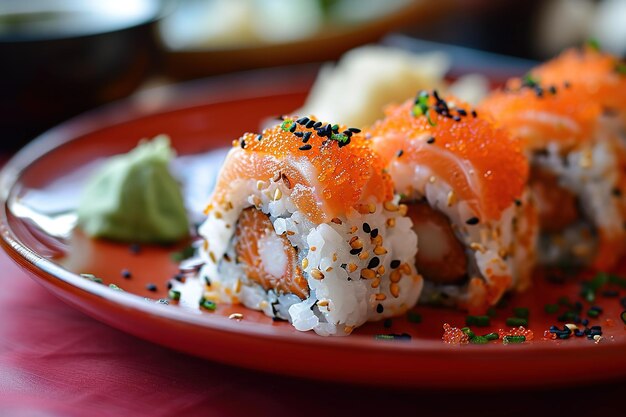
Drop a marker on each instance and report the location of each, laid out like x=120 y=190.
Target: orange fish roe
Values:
x=602 y=76
x=517 y=331
x=538 y=114
x=454 y=335
x=329 y=168
x=482 y=164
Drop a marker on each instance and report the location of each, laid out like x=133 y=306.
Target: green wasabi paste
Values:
x=135 y=198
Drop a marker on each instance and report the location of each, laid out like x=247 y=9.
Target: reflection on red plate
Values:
x=206 y=115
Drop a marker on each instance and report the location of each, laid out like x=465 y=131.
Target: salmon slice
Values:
x=600 y=75
x=440 y=257
x=484 y=166
x=329 y=168
x=268 y=258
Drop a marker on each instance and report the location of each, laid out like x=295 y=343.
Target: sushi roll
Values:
x=569 y=114
x=463 y=182
x=303 y=225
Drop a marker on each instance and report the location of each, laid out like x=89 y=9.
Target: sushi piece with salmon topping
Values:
x=464 y=183
x=303 y=225
x=570 y=115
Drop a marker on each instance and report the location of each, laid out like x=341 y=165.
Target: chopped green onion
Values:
x=492 y=336
x=479 y=340
x=414 y=317
x=623 y=316
x=593 y=313
x=513 y=339
x=286 y=125
x=339 y=137
x=516 y=321
x=551 y=308
x=521 y=312
x=384 y=337
x=174 y=295
x=530 y=81
x=593 y=44
x=115 y=287
x=209 y=305
x=480 y=321
x=468 y=332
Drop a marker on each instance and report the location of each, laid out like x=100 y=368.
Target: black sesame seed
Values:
x=310 y=124
x=395 y=263
x=306 y=137
x=472 y=221
x=134 y=248
x=169 y=285
x=243 y=144
x=179 y=277
x=298 y=134
x=302 y=120
x=380 y=308
x=387 y=323
x=126 y=273
x=474 y=114
x=293 y=127
x=305 y=147
x=354 y=130
x=367 y=228
x=616 y=192
x=456 y=118
x=373 y=263
x=552 y=89
x=462 y=112
x=151 y=287
x=430 y=140
x=347 y=133
x=567 y=84
x=622 y=301
x=374 y=233
x=610 y=293
x=317 y=125
x=399 y=153
x=517 y=202
x=355 y=251
x=259 y=137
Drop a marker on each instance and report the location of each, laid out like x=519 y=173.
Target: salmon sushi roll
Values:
x=303 y=225
x=464 y=183
x=569 y=114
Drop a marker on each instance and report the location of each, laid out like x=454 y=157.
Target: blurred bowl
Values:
x=61 y=57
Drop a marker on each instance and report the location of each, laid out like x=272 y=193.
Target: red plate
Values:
x=202 y=116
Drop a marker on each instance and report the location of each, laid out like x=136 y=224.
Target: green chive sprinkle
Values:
x=480 y=321
x=492 y=336
x=623 y=316
x=551 y=308
x=115 y=287
x=209 y=305
x=414 y=317
x=339 y=137
x=513 y=339
x=593 y=313
x=468 y=332
x=521 y=312
x=174 y=294
x=593 y=44
x=479 y=340
x=286 y=125
x=383 y=337
x=530 y=81
x=516 y=321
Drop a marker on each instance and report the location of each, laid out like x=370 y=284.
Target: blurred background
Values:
x=60 y=58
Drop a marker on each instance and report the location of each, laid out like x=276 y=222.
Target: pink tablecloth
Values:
x=55 y=361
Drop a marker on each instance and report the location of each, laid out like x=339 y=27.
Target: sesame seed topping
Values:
x=472 y=221
x=373 y=263
x=367 y=228
x=399 y=153
x=395 y=263
x=430 y=140
x=305 y=147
